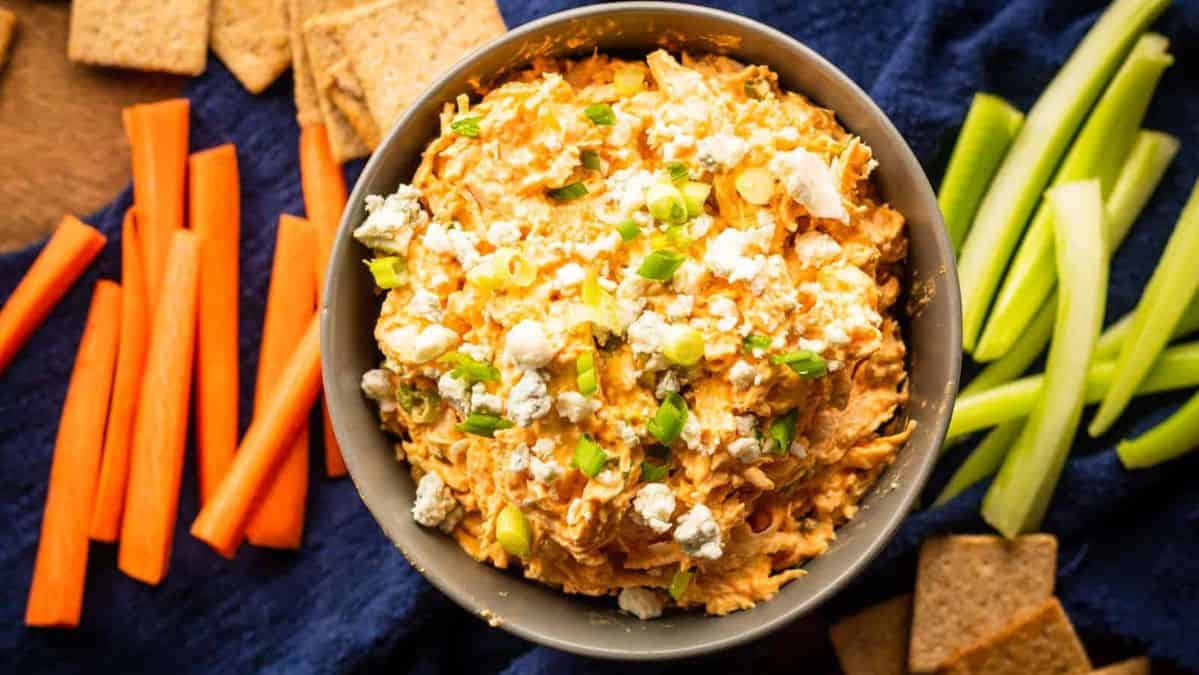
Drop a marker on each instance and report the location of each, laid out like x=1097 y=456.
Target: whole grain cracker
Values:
x=8 y=28
x=251 y=38
x=970 y=586
x=163 y=35
x=875 y=640
x=298 y=13
x=1137 y=666
x=352 y=132
x=401 y=46
x=1038 y=640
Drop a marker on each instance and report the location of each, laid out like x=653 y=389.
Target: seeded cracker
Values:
x=875 y=640
x=968 y=587
x=1039 y=640
x=164 y=35
x=251 y=38
x=8 y=28
x=1137 y=666
x=352 y=131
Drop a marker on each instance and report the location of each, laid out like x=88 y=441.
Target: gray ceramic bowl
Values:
x=591 y=626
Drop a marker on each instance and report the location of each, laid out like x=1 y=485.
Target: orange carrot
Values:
x=160 y=432
x=278 y=520
x=215 y=218
x=158 y=141
x=56 y=594
x=68 y=253
x=131 y=357
x=222 y=521
x=335 y=466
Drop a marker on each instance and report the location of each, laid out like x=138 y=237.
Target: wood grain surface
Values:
x=62 y=148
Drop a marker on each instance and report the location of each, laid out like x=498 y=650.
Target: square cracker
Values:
x=8 y=28
x=164 y=35
x=1038 y=640
x=251 y=38
x=875 y=640
x=1137 y=666
x=970 y=586
x=352 y=131
x=401 y=46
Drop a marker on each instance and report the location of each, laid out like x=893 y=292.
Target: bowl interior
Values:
x=591 y=626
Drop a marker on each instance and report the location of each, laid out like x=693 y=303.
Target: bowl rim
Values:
x=921 y=471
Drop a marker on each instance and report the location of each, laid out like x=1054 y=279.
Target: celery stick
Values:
x=1176 y=368
x=1108 y=347
x=1020 y=493
x=1156 y=315
x=983 y=461
x=1175 y=437
x=1098 y=152
x=1147 y=163
x=1021 y=355
x=986 y=134
x=1035 y=153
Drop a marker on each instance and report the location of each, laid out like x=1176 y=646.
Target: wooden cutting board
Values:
x=62 y=148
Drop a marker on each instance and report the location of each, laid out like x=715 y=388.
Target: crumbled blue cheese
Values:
x=810 y=182
x=646 y=333
x=624 y=193
x=477 y=352
x=569 y=275
x=680 y=308
x=435 y=505
x=640 y=602
x=391 y=222
x=725 y=310
x=518 y=459
x=503 y=233
x=688 y=277
x=376 y=384
x=698 y=534
x=437 y=239
x=453 y=391
x=668 y=384
x=654 y=506
x=745 y=449
x=420 y=346
x=720 y=151
x=481 y=401
x=465 y=247
x=529 y=400
x=574 y=406
x=528 y=346
x=627 y=432
x=816 y=249
x=744 y=375
x=593 y=250
x=426 y=305
x=731 y=254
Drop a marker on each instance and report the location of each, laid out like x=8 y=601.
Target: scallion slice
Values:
x=660 y=265
x=679 y=583
x=600 y=113
x=753 y=343
x=629 y=230
x=782 y=431
x=390 y=272
x=694 y=196
x=470 y=370
x=983 y=461
x=585 y=374
x=805 y=363
x=654 y=473
x=568 y=192
x=683 y=345
x=480 y=424
x=513 y=532
x=466 y=126
x=591 y=160
x=589 y=456
x=421 y=405
x=666 y=204
x=668 y=421
x=679 y=173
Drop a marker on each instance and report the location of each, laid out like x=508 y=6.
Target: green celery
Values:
x=1019 y=496
x=1156 y=315
x=987 y=133
x=1175 y=437
x=983 y=461
x=1036 y=152
x=1098 y=152
x=1020 y=356
x=1112 y=340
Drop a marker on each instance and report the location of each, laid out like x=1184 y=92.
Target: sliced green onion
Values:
x=782 y=431
x=585 y=374
x=805 y=363
x=591 y=160
x=1156 y=315
x=1175 y=437
x=983 y=461
x=654 y=473
x=470 y=370
x=1019 y=496
x=482 y=425
x=568 y=192
x=668 y=421
x=660 y=265
x=1099 y=151
x=390 y=272
x=674 y=237
x=589 y=456
x=629 y=230
x=466 y=126
x=694 y=196
x=683 y=345
x=421 y=405
x=679 y=173
x=753 y=343
x=679 y=583
x=513 y=532
x=600 y=113
x=1036 y=152
x=666 y=203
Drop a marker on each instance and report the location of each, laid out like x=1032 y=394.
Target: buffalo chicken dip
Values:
x=639 y=333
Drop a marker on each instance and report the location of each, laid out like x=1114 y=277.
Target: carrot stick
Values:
x=161 y=428
x=278 y=521
x=222 y=520
x=324 y=190
x=131 y=357
x=158 y=143
x=68 y=253
x=215 y=218
x=56 y=594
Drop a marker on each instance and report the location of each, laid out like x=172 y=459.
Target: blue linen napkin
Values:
x=1129 y=560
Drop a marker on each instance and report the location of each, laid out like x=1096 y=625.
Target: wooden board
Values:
x=62 y=148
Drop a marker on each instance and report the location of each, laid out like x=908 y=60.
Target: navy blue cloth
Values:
x=1129 y=567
